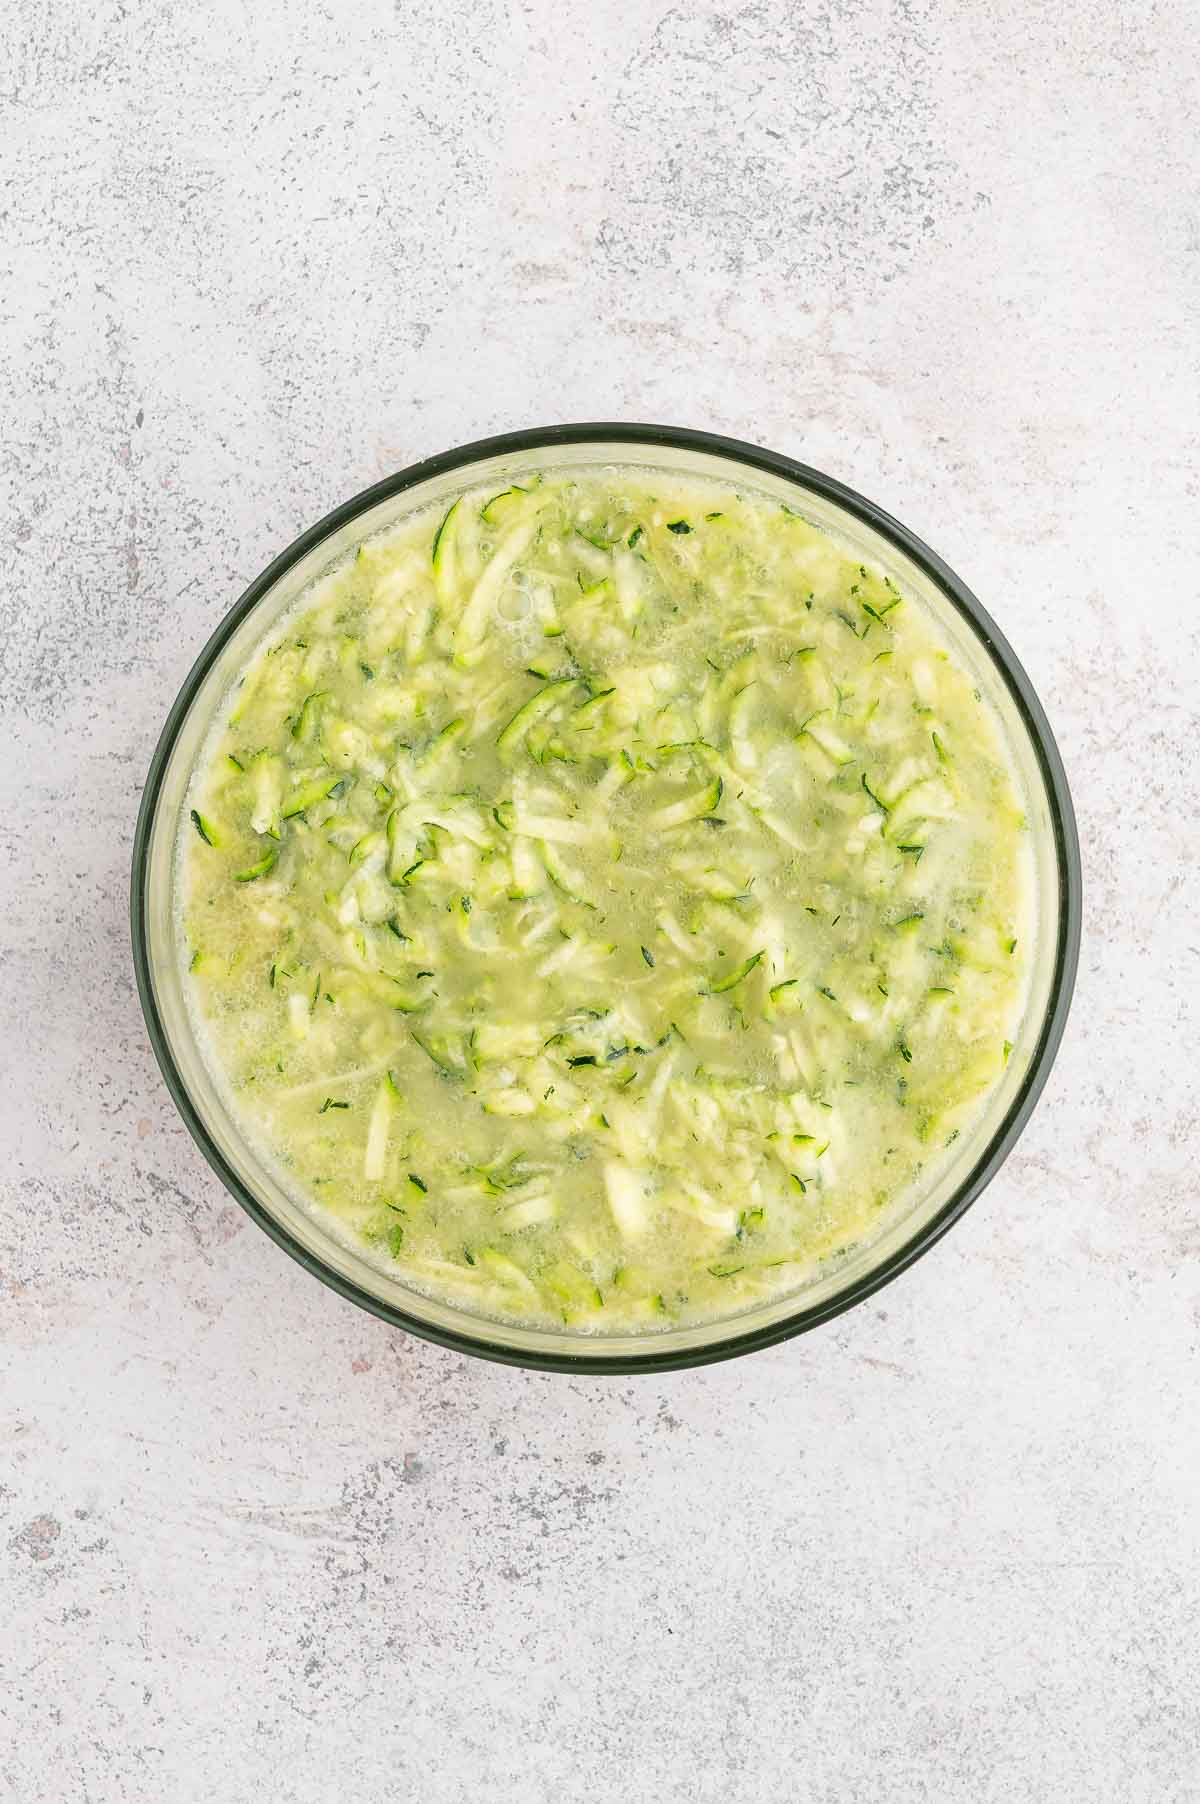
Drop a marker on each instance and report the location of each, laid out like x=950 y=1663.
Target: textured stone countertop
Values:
x=255 y=1545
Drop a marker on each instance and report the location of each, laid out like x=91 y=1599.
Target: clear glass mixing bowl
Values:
x=932 y=1208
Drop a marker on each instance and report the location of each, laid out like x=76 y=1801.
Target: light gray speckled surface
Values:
x=256 y=1546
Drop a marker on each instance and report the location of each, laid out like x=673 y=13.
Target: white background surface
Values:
x=254 y=1545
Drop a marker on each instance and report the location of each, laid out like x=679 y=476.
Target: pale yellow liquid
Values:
x=484 y=1006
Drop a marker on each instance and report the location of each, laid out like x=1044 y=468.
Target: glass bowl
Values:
x=930 y=1210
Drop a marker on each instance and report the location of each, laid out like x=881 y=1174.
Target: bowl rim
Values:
x=658 y=1355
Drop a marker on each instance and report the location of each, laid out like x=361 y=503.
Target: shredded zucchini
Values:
x=605 y=898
